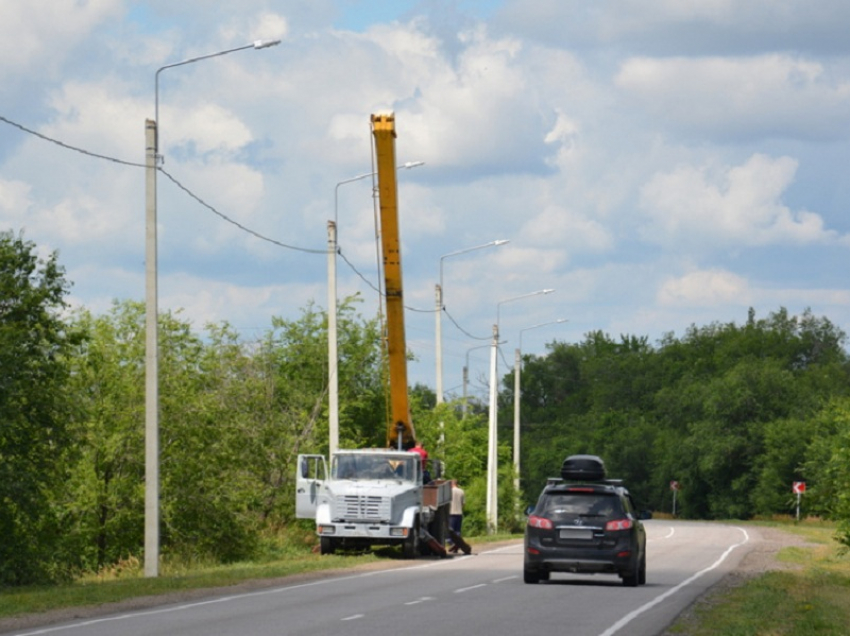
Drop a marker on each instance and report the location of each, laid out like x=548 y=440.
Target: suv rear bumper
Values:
x=619 y=560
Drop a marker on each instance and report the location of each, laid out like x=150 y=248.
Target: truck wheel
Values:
x=327 y=545
x=410 y=548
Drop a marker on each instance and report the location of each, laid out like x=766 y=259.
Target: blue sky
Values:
x=658 y=163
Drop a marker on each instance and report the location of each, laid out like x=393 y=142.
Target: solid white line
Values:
x=667 y=536
x=632 y=615
x=234 y=597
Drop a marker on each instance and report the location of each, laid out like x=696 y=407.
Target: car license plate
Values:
x=576 y=533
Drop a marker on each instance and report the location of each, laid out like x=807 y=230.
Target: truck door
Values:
x=311 y=473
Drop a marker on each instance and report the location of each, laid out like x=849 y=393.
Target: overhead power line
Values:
x=174 y=180
x=217 y=212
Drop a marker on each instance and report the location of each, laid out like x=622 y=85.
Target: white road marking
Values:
x=666 y=536
x=235 y=597
x=506 y=578
x=424 y=599
x=640 y=610
x=471 y=587
x=352 y=618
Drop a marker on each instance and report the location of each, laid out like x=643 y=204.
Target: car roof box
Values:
x=583 y=468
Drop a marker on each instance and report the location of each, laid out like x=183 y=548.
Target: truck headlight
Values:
x=326 y=530
x=398 y=532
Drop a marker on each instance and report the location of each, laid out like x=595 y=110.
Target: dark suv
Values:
x=585 y=527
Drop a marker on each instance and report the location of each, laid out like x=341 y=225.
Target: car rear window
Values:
x=557 y=506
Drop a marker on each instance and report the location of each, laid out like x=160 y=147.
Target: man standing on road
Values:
x=456 y=510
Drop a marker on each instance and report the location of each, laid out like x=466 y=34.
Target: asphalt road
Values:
x=478 y=594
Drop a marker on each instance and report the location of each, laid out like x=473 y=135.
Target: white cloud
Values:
x=775 y=95
x=706 y=288
x=15 y=201
x=699 y=208
x=559 y=227
x=35 y=38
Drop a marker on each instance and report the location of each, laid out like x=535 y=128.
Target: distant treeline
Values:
x=733 y=413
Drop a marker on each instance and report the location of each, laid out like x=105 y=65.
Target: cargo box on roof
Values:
x=583 y=468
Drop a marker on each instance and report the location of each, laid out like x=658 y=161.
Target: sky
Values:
x=657 y=163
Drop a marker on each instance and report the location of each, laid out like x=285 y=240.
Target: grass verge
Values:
x=128 y=582
x=811 y=596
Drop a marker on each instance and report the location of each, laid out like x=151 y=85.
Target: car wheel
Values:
x=327 y=545
x=544 y=575
x=530 y=576
x=642 y=573
x=632 y=577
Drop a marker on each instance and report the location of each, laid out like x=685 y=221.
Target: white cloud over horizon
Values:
x=657 y=163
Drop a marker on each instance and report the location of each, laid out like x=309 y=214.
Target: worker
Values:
x=423 y=455
x=456 y=510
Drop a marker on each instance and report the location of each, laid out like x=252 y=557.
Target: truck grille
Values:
x=362 y=508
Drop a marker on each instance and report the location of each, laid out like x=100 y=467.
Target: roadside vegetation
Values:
x=295 y=555
x=732 y=412
x=811 y=595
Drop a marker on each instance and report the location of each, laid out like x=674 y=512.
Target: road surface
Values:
x=480 y=594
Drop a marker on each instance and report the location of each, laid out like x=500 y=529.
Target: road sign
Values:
x=674 y=485
x=799 y=487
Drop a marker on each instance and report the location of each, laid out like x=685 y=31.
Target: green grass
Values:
x=813 y=597
x=126 y=580
x=130 y=583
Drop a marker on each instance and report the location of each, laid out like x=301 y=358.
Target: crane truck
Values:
x=378 y=496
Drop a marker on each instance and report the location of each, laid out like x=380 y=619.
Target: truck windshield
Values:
x=359 y=467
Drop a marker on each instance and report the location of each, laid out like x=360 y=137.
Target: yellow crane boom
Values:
x=400 y=430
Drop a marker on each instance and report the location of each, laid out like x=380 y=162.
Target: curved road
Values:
x=478 y=594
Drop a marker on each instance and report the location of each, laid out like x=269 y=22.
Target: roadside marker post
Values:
x=674 y=486
x=798 y=488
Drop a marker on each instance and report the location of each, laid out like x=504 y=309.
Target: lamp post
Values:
x=151 y=314
x=440 y=307
x=517 y=368
x=492 y=445
x=333 y=343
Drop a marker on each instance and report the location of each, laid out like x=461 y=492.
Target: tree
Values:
x=34 y=406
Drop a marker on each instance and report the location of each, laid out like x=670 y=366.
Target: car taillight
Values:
x=618 y=524
x=539 y=522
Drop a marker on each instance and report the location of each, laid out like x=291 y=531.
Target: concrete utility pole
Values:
x=151 y=359
x=152 y=318
x=333 y=336
x=493 y=454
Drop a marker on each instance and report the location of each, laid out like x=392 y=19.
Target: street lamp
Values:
x=492 y=455
x=466 y=377
x=517 y=368
x=440 y=307
x=151 y=315
x=333 y=345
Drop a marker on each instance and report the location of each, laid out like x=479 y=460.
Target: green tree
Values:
x=34 y=407
x=102 y=501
